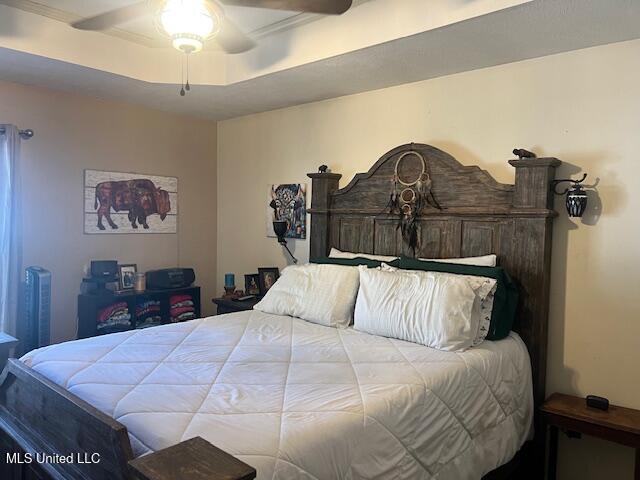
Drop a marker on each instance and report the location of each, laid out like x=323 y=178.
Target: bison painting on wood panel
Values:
x=116 y=202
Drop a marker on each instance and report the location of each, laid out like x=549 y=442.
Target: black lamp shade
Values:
x=280 y=229
x=576 y=201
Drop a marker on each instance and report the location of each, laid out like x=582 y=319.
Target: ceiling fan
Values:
x=190 y=22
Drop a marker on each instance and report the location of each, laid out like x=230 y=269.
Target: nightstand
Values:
x=618 y=424
x=226 y=305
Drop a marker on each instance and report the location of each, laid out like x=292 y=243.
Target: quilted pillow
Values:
x=323 y=294
x=428 y=308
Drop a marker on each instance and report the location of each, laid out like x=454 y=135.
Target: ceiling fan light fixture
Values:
x=189 y=23
x=186 y=43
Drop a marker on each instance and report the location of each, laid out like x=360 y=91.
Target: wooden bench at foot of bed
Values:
x=42 y=421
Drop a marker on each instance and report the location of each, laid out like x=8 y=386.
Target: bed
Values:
x=297 y=400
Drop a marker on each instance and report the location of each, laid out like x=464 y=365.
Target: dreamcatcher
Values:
x=410 y=194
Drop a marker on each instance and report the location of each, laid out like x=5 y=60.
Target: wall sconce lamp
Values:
x=576 y=201
x=280 y=228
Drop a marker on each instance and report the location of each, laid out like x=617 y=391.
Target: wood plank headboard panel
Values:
x=478 y=216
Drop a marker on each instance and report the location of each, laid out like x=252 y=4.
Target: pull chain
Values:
x=184 y=87
x=188 y=87
x=182 y=78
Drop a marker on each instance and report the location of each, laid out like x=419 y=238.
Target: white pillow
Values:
x=323 y=294
x=429 y=308
x=335 y=253
x=484 y=288
x=483 y=261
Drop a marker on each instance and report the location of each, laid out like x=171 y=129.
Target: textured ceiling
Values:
x=256 y=22
x=248 y=19
x=531 y=30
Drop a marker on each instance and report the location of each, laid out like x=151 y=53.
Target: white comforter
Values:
x=302 y=401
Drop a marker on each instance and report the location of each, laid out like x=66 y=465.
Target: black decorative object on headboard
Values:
x=522 y=153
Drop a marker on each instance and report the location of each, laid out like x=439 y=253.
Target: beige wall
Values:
x=581 y=107
x=74 y=133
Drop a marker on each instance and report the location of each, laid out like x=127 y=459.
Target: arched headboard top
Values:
x=477 y=216
x=458 y=188
x=441 y=164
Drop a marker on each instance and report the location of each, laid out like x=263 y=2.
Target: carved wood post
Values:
x=532 y=174
x=322 y=186
x=531 y=265
x=533 y=199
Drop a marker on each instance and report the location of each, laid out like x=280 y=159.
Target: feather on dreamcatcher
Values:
x=411 y=193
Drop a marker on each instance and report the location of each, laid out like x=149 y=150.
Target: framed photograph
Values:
x=127 y=276
x=266 y=278
x=252 y=284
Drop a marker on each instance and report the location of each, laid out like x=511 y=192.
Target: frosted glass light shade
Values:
x=188 y=23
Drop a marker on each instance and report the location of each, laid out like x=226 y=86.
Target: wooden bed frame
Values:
x=478 y=216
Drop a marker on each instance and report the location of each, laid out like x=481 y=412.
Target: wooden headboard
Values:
x=478 y=216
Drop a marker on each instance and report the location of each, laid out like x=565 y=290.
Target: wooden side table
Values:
x=194 y=459
x=618 y=424
x=227 y=305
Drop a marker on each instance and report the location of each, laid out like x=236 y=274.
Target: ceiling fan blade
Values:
x=232 y=39
x=112 y=18
x=330 y=7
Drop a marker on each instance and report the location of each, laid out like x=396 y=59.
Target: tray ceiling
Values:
x=249 y=19
x=377 y=44
x=255 y=21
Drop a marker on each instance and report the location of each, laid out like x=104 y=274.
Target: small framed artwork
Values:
x=252 y=284
x=267 y=277
x=127 y=276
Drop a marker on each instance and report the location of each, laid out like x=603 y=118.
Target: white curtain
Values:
x=10 y=227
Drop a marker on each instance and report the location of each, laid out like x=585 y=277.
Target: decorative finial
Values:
x=522 y=153
x=323 y=169
x=26 y=134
